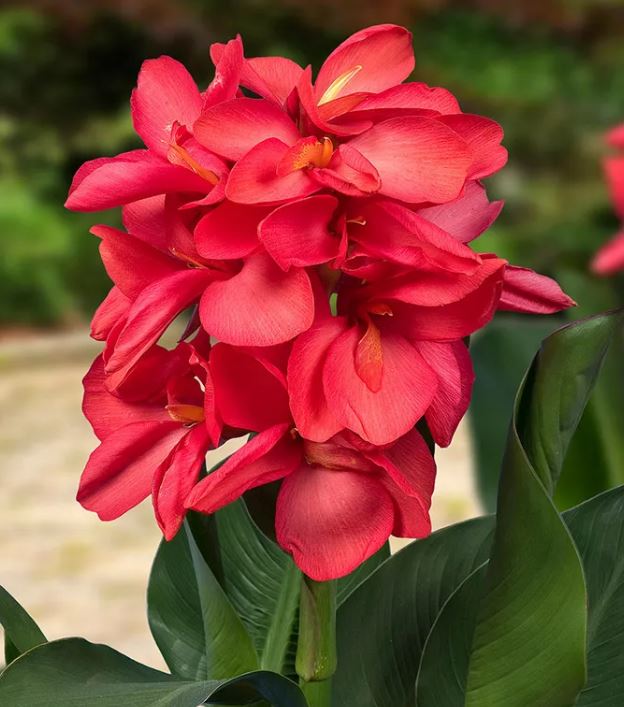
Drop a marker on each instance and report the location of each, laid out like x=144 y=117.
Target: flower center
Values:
x=180 y=156
x=306 y=153
x=338 y=84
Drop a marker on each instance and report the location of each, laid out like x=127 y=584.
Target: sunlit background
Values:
x=550 y=71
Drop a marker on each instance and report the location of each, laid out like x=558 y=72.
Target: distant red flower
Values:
x=610 y=258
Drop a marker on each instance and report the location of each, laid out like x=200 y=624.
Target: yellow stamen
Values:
x=336 y=86
x=179 y=153
x=186 y=414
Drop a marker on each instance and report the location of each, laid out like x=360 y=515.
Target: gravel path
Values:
x=75 y=574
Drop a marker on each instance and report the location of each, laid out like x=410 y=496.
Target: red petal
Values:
x=299 y=233
x=150 y=315
x=615 y=137
x=229 y=231
x=107 y=412
x=451 y=361
x=614 y=169
x=175 y=478
x=313 y=417
x=525 y=290
x=254 y=179
x=130 y=263
x=407 y=388
x=233 y=128
x=119 y=472
x=120 y=180
x=483 y=136
x=228 y=68
x=260 y=306
x=384 y=53
x=413 y=95
x=418 y=159
x=610 y=258
x=113 y=309
x=248 y=396
x=332 y=521
x=268 y=456
x=349 y=173
x=145 y=219
x=467 y=216
x=165 y=94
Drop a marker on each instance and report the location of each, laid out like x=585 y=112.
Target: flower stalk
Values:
x=316 y=649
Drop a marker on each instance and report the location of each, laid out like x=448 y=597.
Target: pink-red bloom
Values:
x=610 y=258
x=318 y=228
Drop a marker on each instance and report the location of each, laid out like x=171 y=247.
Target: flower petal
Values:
x=332 y=521
x=298 y=233
x=113 y=309
x=267 y=457
x=260 y=306
x=524 y=290
x=410 y=96
x=254 y=178
x=119 y=472
x=165 y=94
x=175 y=478
x=418 y=159
x=248 y=396
x=313 y=416
x=228 y=68
x=233 y=128
x=407 y=388
x=382 y=56
x=466 y=217
x=610 y=258
x=484 y=137
x=614 y=169
x=229 y=231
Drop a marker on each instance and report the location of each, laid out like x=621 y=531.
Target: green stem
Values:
x=318 y=694
x=316 y=648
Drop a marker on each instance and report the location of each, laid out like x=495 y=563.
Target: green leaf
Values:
x=597 y=527
x=191 y=618
x=73 y=673
x=529 y=641
x=383 y=624
x=262 y=583
x=500 y=353
x=21 y=633
x=347 y=585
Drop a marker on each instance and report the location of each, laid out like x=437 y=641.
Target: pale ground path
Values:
x=75 y=574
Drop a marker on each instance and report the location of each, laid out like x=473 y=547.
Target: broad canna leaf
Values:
x=597 y=527
x=191 y=618
x=383 y=624
x=21 y=633
x=73 y=672
x=527 y=642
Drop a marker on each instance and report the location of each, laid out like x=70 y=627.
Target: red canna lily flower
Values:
x=154 y=435
x=339 y=500
x=610 y=258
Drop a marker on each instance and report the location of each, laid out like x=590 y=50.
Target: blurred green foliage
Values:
x=549 y=71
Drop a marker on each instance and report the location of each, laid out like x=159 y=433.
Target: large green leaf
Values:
x=527 y=644
x=74 y=673
x=529 y=641
x=500 y=353
x=383 y=624
x=597 y=527
x=21 y=633
x=192 y=620
x=347 y=585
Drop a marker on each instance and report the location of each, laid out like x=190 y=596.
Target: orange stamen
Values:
x=308 y=152
x=186 y=414
x=178 y=155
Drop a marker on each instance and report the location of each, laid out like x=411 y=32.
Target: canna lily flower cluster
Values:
x=610 y=258
x=317 y=229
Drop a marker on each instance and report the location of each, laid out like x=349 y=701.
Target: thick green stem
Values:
x=318 y=694
x=316 y=649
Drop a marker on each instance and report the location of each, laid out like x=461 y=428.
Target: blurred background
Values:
x=550 y=71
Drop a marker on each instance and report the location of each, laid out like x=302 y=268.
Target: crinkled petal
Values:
x=260 y=306
x=233 y=128
x=299 y=233
x=229 y=231
x=228 y=68
x=524 y=290
x=119 y=472
x=332 y=521
x=165 y=94
x=267 y=457
x=248 y=395
x=418 y=159
x=313 y=417
x=407 y=388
